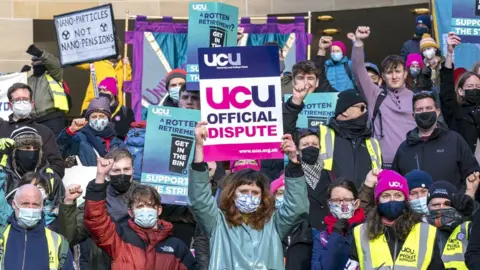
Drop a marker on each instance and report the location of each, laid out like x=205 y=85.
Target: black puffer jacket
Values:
x=444 y=155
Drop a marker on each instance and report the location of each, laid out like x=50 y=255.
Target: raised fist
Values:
x=201 y=133
x=104 y=166
x=362 y=32
x=325 y=42
x=78 y=124
x=72 y=192
x=289 y=148
x=452 y=41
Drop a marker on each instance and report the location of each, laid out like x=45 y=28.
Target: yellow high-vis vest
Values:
x=327 y=142
x=454 y=252
x=57 y=248
x=416 y=252
x=59 y=97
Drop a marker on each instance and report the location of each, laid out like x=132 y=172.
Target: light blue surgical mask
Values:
x=145 y=217
x=98 y=124
x=246 y=203
x=336 y=56
x=279 y=201
x=420 y=205
x=174 y=93
x=28 y=217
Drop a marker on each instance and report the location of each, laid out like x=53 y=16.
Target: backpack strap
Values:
x=376 y=111
x=346 y=65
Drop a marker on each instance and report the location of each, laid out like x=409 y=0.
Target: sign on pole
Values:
x=210 y=25
x=86 y=36
x=6 y=81
x=169 y=147
x=240 y=97
x=466 y=20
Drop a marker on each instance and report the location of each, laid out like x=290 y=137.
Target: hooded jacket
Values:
x=410 y=46
x=42 y=94
x=444 y=155
x=28 y=249
x=72 y=226
x=130 y=246
x=50 y=151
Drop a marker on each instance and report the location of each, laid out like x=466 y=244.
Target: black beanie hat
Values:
x=346 y=99
x=441 y=189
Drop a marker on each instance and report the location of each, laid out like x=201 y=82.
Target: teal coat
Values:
x=242 y=247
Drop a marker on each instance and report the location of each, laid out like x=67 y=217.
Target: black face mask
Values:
x=472 y=96
x=354 y=126
x=39 y=70
x=426 y=120
x=121 y=183
x=310 y=154
x=26 y=161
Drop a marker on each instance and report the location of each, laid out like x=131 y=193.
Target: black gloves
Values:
x=26 y=68
x=463 y=203
x=341 y=226
x=33 y=50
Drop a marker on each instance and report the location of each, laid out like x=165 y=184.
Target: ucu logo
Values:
x=161 y=111
x=230 y=98
x=200 y=7
x=395 y=184
x=222 y=60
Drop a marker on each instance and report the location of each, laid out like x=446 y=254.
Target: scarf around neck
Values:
x=96 y=143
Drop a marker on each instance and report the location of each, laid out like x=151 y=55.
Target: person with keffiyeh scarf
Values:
x=92 y=136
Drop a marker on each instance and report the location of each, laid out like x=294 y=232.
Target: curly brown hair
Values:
x=402 y=227
x=265 y=210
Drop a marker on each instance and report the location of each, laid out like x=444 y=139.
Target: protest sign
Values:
x=86 y=35
x=466 y=20
x=240 y=97
x=210 y=25
x=319 y=108
x=169 y=141
x=5 y=82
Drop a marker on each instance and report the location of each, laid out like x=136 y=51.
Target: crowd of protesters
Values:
x=390 y=182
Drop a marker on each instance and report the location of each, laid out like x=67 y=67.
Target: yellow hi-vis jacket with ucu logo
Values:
x=454 y=252
x=416 y=252
x=327 y=142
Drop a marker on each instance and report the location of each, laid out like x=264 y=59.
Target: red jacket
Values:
x=130 y=246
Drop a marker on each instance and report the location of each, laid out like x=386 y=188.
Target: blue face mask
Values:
x=414 y=72
x=98 y=124
x=145 y=217
x=279 y=201
x=391 y=210
x=419 y=31
x=246 y=203
x=28 y=217
x=420 y=205
x=174 y=93
x=336 y=56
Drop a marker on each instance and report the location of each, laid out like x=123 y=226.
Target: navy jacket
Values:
x=330 y=252
x=32 y=243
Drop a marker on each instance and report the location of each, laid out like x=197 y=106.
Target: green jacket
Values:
x=41 y=89
x=242 y=247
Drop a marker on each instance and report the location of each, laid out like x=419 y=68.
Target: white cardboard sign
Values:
x=86 y=36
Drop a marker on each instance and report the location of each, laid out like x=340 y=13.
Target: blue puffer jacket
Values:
x=330 y=252
x=28 y=249
x=337 y=75
x=78 y=145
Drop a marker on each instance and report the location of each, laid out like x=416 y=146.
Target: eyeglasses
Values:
x=361 y=107
x=341 y=201
x=21 y=101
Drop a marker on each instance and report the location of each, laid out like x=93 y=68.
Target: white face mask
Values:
x=429 y=53
x=21 y=109
x=145 y=217
x=174 y=93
